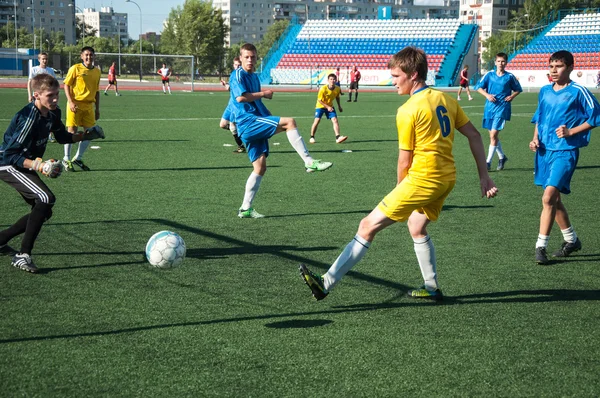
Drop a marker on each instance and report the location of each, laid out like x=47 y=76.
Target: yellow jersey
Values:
x=426 y=124
x=327 y=95
x=85 y=83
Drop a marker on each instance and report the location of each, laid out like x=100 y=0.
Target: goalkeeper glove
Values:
x=93 y=133
x=50 y=168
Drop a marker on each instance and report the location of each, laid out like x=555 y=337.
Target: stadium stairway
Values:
x=452 y=63
x=281 y=46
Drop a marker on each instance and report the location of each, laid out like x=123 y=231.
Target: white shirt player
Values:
x=164 y=72
x=38 y=70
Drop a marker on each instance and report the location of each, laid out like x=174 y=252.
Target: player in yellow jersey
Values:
x=82 y=88
x=426 y=175
x=324 y=106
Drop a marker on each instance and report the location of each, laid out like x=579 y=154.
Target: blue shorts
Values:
x=228 y=114
x=555 y=168
x=319 y=112
x=494 y=124
x=255 y=135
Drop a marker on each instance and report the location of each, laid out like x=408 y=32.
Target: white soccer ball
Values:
x=165 y=249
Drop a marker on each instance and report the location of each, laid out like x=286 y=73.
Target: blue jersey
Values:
x=570 y=106
x=27 y=135
x=500 y=87
x=246 y=112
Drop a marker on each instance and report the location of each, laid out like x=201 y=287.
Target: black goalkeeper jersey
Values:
x=27 y=135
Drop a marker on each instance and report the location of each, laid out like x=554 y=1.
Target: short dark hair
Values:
x=44 y=82
x=502 y=55
x=88 y=48
x=331 y=75
x=564 y=56
x=42 y=53
x=248 y=47
x=410 y=60
x=237 y=59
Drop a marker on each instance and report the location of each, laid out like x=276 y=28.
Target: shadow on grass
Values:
x=112 y=141
x=452 y=207
x=246 y=167
x=365 y=212
x=333 y=151
x=298 y=324
x=516 y=296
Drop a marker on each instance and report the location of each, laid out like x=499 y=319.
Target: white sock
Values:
x=232 y=128
x=67 y=148
x=164 y=91
x=83 y=145
x=252 y=185
x=298 y=144
x=169 y=89
x=426 y=257
x=352 y=254
x=542 y=241
x=501 y=154
x=569 y=235
x=491 y=151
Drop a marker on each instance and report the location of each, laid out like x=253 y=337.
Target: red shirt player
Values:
x=464 y=82
x=112 y=80
x=354 y=79
x=165 y=73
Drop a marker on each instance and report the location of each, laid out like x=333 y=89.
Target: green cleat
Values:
x=250 y=213
x=423 y=293
x=314 y=282
x=317 y=165
x=68 y=165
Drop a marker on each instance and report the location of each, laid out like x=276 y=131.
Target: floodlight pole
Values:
x=140 y=37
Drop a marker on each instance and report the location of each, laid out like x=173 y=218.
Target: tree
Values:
x=271 y=36
x=196 y=29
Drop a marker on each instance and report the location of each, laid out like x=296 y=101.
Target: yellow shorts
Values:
x=416 y=195
x=84 y=117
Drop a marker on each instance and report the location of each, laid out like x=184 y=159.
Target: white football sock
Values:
x=169 y=87
x=298 y=144
x=83 y=145
x=491 y=151
x=232 y=128
x=67 y=148
x=352 y=254
x=542 y=241
x=501 y=154
x=252 y=185
x=569 y=235
x=426 y=257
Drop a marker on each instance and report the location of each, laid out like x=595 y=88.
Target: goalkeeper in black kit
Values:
x=21 y=155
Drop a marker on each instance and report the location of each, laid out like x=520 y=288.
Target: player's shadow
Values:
x=454 y=207
x=320 y=213
x=112 y=141
x=177 y=169
x=332 y=151
x=298 y=324
x=225 y=252
x=514 y=296
x=360 y=141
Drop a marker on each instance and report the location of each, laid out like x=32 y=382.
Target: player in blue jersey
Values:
x=21 y=154
x=565 y=115
x=256 y=125
x=499 y=87
x=228 y=118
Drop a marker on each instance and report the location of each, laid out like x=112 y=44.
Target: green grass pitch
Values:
x=236 y=320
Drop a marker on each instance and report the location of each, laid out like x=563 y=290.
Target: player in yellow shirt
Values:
x=82 y=88
x=324 y=106
x=426 y=175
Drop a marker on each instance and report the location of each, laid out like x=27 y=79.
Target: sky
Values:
x=154 y=12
